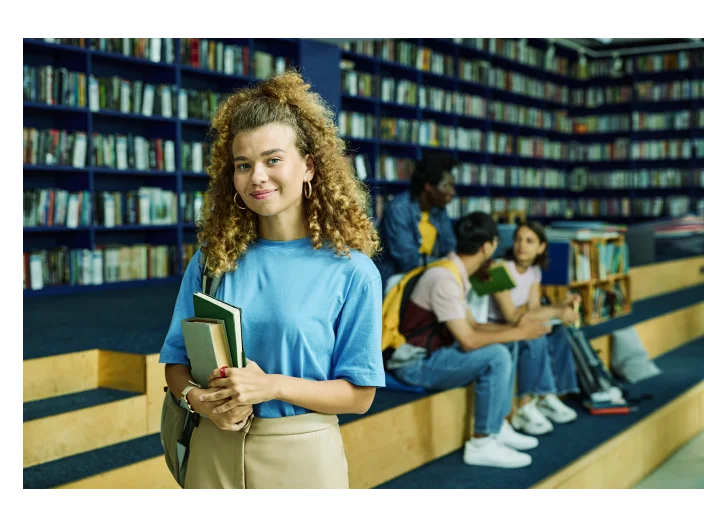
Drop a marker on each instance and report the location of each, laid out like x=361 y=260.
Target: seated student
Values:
x=545 y=366
x=415 y=228
x=453 y=350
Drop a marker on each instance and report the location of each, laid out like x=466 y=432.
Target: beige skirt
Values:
x=302 y=451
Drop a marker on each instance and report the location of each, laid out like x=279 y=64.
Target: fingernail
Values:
x=201 y=398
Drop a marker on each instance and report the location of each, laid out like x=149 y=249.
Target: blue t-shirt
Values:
x=306 y=313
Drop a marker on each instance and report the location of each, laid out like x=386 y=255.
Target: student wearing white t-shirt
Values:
x=545 y=366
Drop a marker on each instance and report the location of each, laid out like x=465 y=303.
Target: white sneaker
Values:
x=509 y=437
x=552 y=408
x=489 y=451
x=529 y=419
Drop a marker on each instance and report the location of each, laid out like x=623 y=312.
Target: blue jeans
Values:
x=546 y=365
x=448 y=368
x=562 y=361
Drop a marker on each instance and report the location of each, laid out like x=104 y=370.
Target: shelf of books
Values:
x=535 y=127
x=592 y=265
x=115 y=152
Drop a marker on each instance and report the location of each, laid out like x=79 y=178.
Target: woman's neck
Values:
x=283 y=227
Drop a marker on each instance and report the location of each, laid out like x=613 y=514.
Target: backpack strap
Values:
x=210 y=283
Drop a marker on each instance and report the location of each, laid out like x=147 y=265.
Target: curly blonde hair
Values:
x=335 y=214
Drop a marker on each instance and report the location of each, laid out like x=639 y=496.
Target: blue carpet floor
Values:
x=136 y=320
x=83 y=465
x=72 y=402
x=681 y=370
x=130 y=320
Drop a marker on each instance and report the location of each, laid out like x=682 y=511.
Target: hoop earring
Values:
x=238 y=204
x=309 y=189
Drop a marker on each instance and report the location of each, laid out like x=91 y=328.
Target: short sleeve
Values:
x=446 y=301
x=357 y=351
x=538 y=275
x=174 y=349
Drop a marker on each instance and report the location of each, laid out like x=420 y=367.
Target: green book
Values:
x=208 y=307
x=500 y=279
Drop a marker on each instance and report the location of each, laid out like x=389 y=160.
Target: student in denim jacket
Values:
x=415 y=228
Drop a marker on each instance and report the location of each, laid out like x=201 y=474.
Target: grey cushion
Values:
x=629 y=358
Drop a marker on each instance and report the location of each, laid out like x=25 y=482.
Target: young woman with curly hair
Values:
x=284 y=224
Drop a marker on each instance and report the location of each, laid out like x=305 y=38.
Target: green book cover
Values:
x=500 y=279
x=210 y=308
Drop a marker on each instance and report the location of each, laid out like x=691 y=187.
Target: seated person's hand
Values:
x=532 y=327
x=571 y=299
x=569 y=316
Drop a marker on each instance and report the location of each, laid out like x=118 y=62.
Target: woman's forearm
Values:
x=326 y=397
x=547 y=312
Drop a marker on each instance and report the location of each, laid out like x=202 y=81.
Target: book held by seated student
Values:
x=499 y=279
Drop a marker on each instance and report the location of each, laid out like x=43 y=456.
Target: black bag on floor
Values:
x=595 y=380
x=602 y=392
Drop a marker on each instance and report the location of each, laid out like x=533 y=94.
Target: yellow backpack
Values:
x=396 y=301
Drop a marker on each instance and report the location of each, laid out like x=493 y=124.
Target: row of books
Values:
x=104 y=264
x=195 y=156
x=618 y=150
x=601 y=124
x=607 y=303
x=399 y=91
x=638 y=179
x=518 y=50
x=414 y=56
x=145 y=206
x=390 y=168
x=585 y=68
x=481 y=72
x=132 y=96
x=596 y=96
x=191 y=206
x=128 y=96
x=667 y=149
x=59 y=86
x=680 y=120
x=56 y=208
x=53 y=86
x=617 y=67
x=451 y=102
x=672 y=205
x=356 y=125
x=77 y=42
x=532 y=207
x=558 y=121
x=214 y=55
x=610 y=259
x=563 y=207
x=199 y=53
x=54 y=147
x=669 y=91
x=123 y=152
x=614 y=206
x=153 y=49
x=357 y=83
